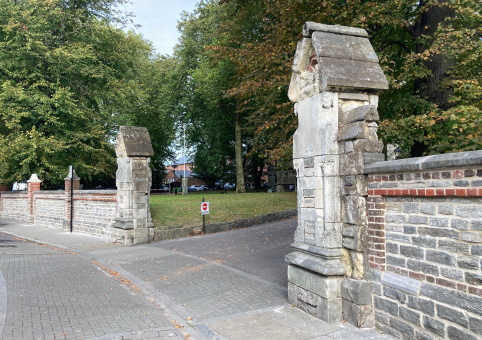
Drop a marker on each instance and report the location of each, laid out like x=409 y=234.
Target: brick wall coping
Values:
x=85 y=192
x=96 y=192
x=19 y=193
x=448 y=160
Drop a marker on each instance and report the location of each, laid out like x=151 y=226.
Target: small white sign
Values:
x=205 y=208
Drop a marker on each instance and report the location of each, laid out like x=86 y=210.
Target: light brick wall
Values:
x=425 y=247
x=13 y=206
x=94 y=211
x=49 y=208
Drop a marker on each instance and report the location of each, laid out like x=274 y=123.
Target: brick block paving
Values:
x=206 y=289
x=82 y=287
x=53 y=294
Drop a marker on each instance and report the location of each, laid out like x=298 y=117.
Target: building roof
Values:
x=183 y=160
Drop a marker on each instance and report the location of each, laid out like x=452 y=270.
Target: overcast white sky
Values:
x=158 y=19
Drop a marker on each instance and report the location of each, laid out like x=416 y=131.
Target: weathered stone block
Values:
x=423 y=305
x=361 y=113
x=356 y=291
x=476 y=325
x=468 y=262
x=351 y=131
x=355 y=210
x=440 y=257
x=457 y=334
x=471 y=236
x=473 y=279
x=133 y=141
x=403 y=283
x=423 y=267
x=328 y=310
x=470 y=303
x=360 y=316
x=412 y=252
x=410 y=316
x=434 y=326
x=368 y=145
x=395 y=294
x=452 y=315
x=386 y=305
x=351 y=164
x=324 y=286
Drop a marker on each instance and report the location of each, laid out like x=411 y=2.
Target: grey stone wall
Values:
x=425 y=254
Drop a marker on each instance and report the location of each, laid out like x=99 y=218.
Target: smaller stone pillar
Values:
x=33 y=185
x=133 y=224
x=72 y=183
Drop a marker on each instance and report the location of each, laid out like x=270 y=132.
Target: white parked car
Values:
x=19 y=186
x=196 y=188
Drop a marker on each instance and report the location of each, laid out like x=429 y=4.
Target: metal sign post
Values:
x=71 y=175
x=204 y=212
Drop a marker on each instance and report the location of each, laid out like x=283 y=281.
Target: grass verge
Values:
x=175 y=210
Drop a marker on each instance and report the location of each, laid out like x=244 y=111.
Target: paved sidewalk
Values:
x=183 y=295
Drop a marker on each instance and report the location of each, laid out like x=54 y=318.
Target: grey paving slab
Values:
x=286 y=323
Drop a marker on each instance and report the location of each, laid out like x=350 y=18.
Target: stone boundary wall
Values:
x=425 y=245
x=94 y=210
x=49 y=208
x=13 y=206
x=168 y=233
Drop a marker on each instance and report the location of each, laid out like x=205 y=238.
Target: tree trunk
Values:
x=429 y=87
x=238 y=150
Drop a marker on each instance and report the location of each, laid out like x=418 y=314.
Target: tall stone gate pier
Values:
x=133 y=224
x=334 y=85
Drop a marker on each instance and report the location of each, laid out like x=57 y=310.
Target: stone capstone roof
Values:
x=133 y=141
x=334 y=57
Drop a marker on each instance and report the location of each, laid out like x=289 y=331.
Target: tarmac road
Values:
x=258 y=251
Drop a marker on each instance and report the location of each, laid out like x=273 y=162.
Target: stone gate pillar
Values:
x=334 y=86
x=133 y=224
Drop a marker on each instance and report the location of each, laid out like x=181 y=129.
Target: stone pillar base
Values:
x=357 y=302
x=125 y=233
x=315 y=294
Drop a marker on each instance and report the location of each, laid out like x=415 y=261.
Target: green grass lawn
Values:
x=175 y=210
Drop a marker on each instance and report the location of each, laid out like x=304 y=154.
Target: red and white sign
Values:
x=205 y=208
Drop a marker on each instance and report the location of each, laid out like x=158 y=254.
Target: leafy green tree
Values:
x=430 y=51
x=68 y=78
x=214 y=124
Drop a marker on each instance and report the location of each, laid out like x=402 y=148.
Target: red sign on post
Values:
x=205 y=208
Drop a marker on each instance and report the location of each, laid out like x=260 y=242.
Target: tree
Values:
x=214 y=124
x=429 y=50
x=68 y=78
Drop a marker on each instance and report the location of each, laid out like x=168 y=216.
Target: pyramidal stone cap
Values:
x=340 y=58
x=133 y=141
